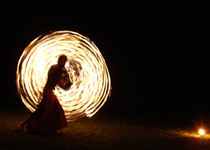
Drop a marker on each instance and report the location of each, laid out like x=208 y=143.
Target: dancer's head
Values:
x=62 y=60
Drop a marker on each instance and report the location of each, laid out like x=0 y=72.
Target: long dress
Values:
x=49 y=115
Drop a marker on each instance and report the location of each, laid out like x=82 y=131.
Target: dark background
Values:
x=157 y=52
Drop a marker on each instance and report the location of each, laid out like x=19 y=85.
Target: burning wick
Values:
x=201 y=132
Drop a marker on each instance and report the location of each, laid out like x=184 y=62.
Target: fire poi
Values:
x=86 y=67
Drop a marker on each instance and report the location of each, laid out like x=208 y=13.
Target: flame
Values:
x=86 y=68
x=201 y=132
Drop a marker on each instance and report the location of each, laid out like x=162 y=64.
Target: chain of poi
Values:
x=86 y=68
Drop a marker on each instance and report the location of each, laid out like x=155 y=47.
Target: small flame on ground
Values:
x=201 y=132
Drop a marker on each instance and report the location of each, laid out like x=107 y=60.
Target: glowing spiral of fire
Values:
x=86 y=68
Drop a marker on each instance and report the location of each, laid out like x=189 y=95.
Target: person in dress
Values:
x=49 y=116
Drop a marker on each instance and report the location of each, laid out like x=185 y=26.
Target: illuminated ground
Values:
x=100 y=132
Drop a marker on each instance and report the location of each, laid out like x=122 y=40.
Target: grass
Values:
x=102 y=132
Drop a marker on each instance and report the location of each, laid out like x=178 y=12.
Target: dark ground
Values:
x=104 y=132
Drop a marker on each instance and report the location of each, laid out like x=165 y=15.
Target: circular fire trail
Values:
x=86 y=68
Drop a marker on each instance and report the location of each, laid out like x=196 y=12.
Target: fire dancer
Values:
x=49 y=116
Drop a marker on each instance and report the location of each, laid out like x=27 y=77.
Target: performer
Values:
x=49 y=116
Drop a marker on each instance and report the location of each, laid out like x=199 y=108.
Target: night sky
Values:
x=157 y=53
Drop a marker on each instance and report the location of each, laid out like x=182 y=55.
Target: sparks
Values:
x=86 y=67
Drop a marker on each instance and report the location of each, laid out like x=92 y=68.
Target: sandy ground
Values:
x=104 y=132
